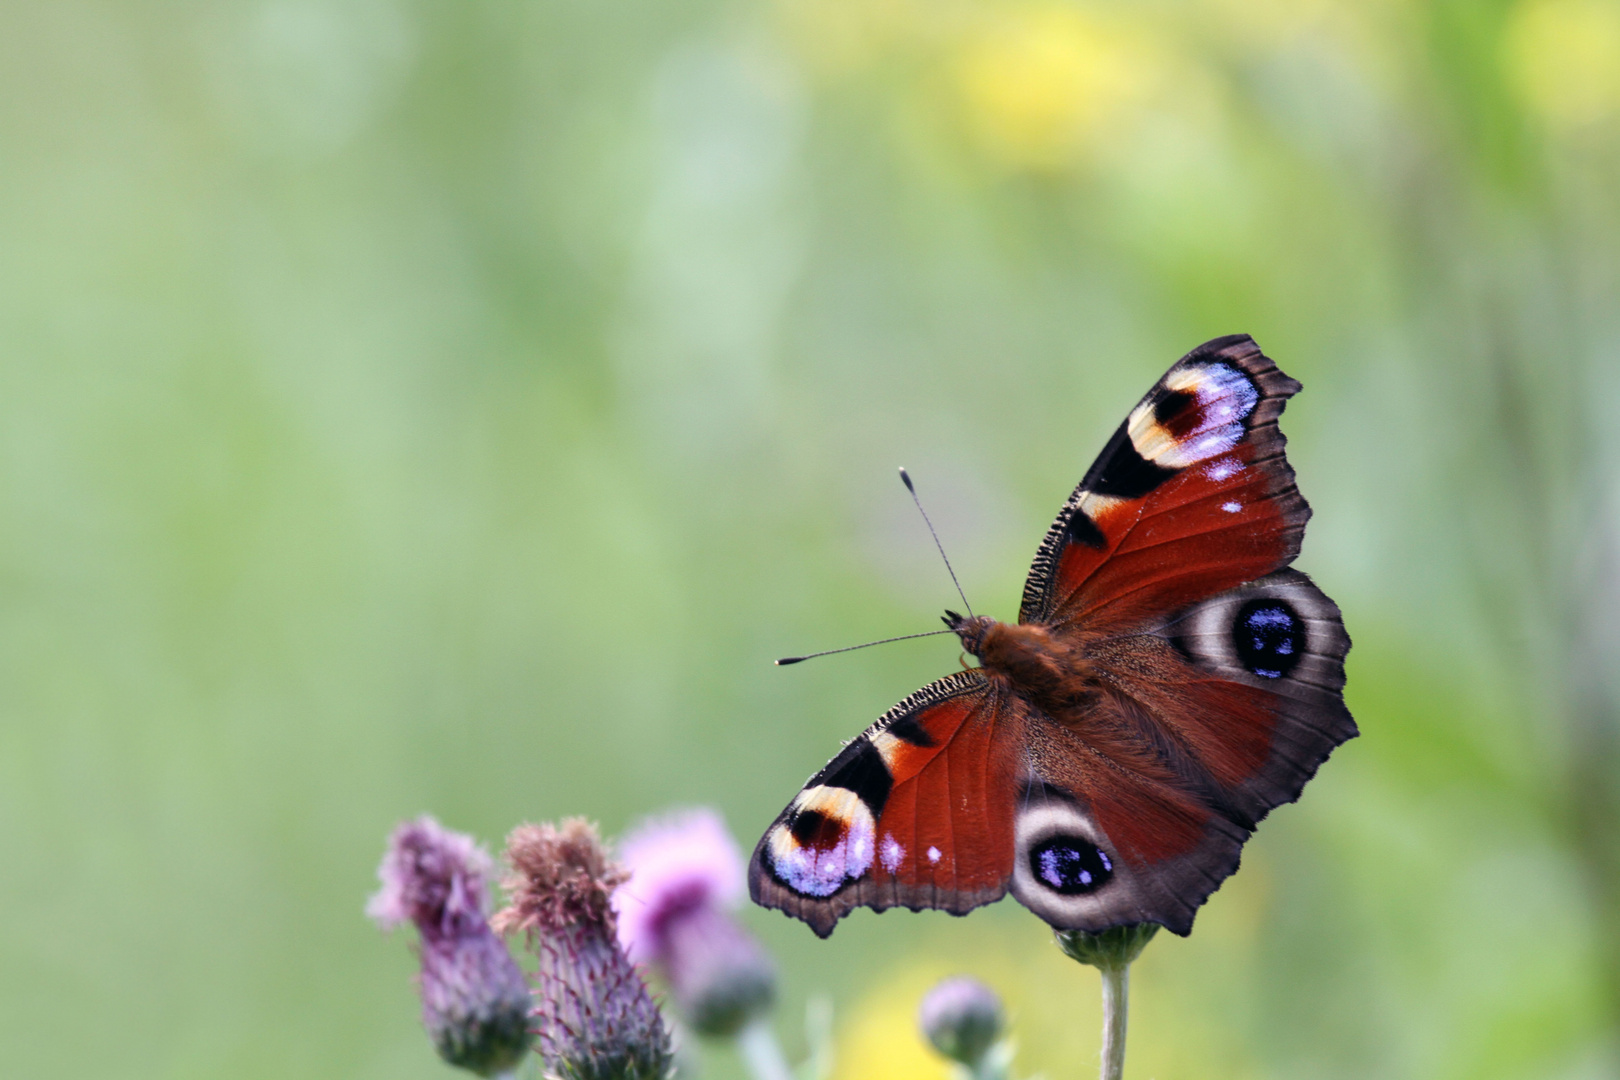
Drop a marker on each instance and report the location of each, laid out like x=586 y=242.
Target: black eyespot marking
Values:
x=907 y=729
x=1123 y=472
x=1082 y=530
x=1269 y=636
x=812 y=828
x=1070 y=866
x=1178 y=412
x=864 y=773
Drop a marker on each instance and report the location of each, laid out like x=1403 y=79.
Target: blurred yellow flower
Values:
x=1043 y=83
x=838 y=36
x=1564 y=58
x=1267 y=24
x=881 y=1041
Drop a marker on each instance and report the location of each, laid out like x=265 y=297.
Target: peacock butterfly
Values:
x=1169 y=681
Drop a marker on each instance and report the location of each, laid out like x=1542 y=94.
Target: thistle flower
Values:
x=475 y=1002
x=963 y=1018
x=594 y=1016
x=686 y=876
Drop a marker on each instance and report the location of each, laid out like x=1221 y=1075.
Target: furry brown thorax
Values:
x=1052 y=673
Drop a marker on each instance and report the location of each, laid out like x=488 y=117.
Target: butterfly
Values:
x=1168 y=682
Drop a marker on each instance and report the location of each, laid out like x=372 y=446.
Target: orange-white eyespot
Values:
x=825 y=841
x=1199 y=415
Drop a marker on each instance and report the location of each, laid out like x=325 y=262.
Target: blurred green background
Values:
x=454 y=407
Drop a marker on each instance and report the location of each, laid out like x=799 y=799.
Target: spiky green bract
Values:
x=475 y=1005
x=593 y=1015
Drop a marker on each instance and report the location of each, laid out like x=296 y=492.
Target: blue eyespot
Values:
x=1269 y=637
x=1070 y=866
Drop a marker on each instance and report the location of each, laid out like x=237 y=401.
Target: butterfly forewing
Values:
x=1191 y=496
x=917 y=812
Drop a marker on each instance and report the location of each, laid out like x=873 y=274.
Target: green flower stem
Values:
x=1116 y=989
x=994 y=1065
x=1111 y=952
x=761 y=1053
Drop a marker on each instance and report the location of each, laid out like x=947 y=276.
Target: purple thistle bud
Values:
x=475 y=1002
x=685 y=875
x=962 y=1018
x=594 y=1016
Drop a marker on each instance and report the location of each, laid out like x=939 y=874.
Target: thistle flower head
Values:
x=432 y=877
x=594 y=1016
x=963 y=1018
x=685 y=876
x=474 y=999
x=561 y=877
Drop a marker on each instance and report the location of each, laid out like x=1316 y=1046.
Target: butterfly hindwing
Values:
x=1269 y=686
x=1073 y=873
x=1207 y=724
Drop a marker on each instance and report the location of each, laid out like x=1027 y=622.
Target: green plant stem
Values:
x=996 y=1064
x=1111 y=953
x=1116 y=989
x=761 y=1053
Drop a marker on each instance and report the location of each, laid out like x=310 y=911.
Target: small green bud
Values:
x=1111 y=950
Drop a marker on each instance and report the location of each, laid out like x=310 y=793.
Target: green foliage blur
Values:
x=454 y=407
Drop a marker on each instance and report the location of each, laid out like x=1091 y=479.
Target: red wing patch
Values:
x=1200 y=729
x=944 y=838
x=1136 y=799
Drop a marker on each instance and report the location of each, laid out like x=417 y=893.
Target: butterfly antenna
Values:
x=786 y=660
x=905 y=478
